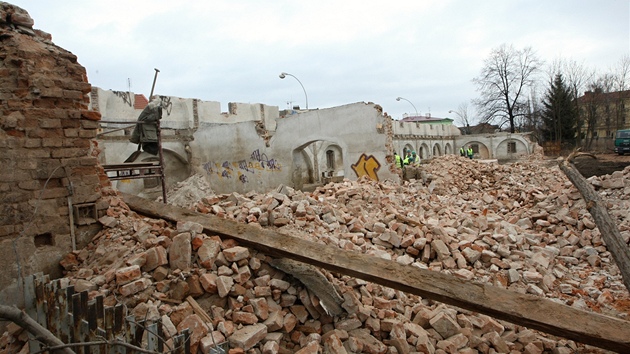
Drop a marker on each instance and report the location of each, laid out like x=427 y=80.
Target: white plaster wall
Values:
x=235 y=158
x=424 y=129
x=494 y=146
x=237 y=153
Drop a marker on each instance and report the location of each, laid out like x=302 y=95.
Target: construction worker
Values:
x=407 y=159
x=470 y=152
x=398 y=160
x=462 y=151
x=415 y=159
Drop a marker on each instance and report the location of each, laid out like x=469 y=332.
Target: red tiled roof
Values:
x=140 y=101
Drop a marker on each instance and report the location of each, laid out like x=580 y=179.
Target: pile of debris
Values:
x=522 y=227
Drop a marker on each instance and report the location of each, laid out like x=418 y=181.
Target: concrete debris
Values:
x=520 y=226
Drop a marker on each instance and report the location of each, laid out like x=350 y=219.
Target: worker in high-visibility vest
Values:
x=398 y=160
x=470 y=152
x=462 y=151
x=415 y=159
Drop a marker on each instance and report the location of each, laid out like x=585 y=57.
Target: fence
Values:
x=100 y=329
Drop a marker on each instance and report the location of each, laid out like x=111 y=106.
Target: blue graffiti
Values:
x=208 y=167
x=243 y=165
x=243 y=178
x=271 y=164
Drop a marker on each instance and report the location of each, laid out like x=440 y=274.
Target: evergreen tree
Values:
x=559 y=113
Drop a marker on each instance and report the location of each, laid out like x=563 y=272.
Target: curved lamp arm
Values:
x=414 y=107
x=283 y=75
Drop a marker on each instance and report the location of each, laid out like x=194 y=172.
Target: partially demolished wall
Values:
x=50 y=187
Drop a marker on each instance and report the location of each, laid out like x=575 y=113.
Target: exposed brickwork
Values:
x=48 y=157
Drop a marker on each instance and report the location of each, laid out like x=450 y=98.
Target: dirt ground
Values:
x=603 y=164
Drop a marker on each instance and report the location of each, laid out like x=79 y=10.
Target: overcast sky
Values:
x=342 y=51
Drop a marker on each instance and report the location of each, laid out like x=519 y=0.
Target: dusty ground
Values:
x=603 y=164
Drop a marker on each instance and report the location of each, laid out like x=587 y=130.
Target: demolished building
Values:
x=525 y=235
x=256 y=147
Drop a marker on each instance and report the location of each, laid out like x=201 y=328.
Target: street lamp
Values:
x=414 y=107
x=283 y=75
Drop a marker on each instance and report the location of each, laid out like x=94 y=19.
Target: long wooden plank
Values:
x=522 y=309
x=607 y=227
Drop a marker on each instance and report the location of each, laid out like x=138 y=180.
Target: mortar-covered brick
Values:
x=135 y=287
x=198 y=329
x=180 y=251
x=248 y=336
x=235 y=254
x=128 y=274
x=156 y=256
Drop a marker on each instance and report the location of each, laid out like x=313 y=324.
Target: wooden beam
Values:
x=522 y=309
x=607 y=227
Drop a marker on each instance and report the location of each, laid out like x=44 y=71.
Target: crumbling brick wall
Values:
x=47 y=154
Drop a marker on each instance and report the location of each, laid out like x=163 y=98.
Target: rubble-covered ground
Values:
x=520 y=226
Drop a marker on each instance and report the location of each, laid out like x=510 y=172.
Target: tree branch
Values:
x=41 y=334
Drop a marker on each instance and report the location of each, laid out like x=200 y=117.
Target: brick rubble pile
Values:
x=522 y=227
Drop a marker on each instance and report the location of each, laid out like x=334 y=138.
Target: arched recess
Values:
x=316 y=162
x=436 y=150
x=511 y=149
x=176 y=169
x=448 y=149
x=480 y=150
x=407 y=149
x=423 y=151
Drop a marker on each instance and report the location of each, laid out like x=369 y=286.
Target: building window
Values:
x=609 y=133
x=330 y=159
x=511 y=146
x=430 y=126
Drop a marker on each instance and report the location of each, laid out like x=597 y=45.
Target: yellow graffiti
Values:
x=367 y=166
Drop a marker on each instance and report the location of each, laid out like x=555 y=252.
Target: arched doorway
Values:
x=317 y=162
x=436 y=150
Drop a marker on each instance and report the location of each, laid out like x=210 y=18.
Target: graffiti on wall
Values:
x=367 y=166
x=126 y=97
x=167 y=105
x=243 y=169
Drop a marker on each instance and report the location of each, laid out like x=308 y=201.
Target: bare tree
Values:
x=621 y=73
x=577 y=75
x=504 y=83
x=463 y=118
x=598 y=106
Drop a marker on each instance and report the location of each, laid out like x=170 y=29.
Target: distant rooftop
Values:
x=425 y=119
x=140 y=101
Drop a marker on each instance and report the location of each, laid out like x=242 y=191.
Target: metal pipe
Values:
x=154 y=79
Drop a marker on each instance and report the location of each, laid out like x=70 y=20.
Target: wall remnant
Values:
x=50 y=184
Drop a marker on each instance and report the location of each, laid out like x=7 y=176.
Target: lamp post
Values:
x=414 y=107
x=283 y=75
